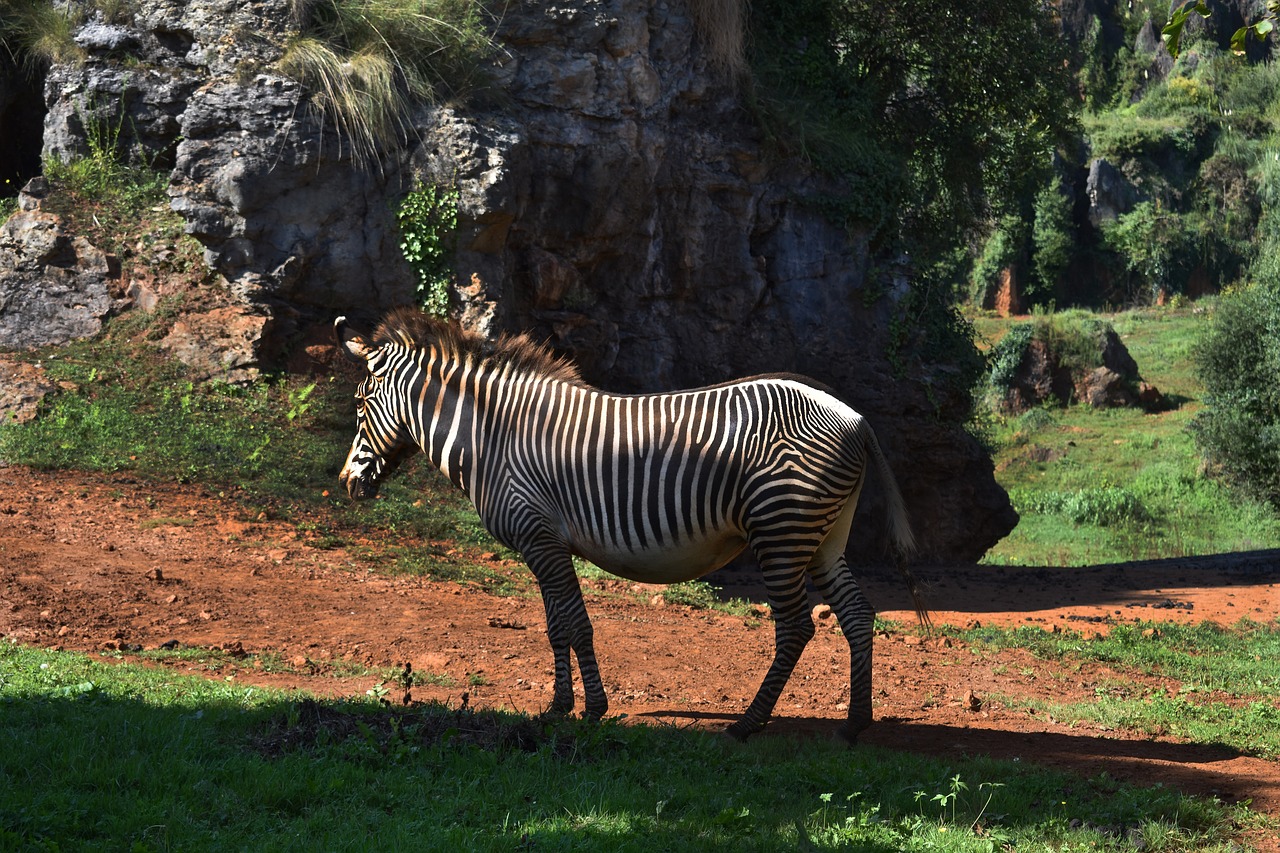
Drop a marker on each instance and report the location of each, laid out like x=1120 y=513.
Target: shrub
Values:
x=1149 y=239
x=1053 y=238
x=1238 y=361
x=1006 y=356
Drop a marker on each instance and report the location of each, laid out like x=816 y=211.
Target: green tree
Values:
x=930 y=118
x=1053 y=239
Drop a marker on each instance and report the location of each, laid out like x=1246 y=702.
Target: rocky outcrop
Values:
x=1043 y=375
x=618 y=202
x=54 y=286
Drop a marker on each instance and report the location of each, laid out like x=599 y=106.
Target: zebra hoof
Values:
x=849 y=732
x=740 y=731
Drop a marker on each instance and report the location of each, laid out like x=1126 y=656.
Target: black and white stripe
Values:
x=656 y=487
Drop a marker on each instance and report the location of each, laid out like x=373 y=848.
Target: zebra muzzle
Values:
x=360 y=480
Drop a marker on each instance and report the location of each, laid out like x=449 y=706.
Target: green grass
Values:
x=97 y=756
x=1108 y=485
x=1227 y=682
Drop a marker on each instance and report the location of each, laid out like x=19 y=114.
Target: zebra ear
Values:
x=354 y=344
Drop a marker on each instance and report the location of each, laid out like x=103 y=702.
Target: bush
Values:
x=1150 y=239
x=1106 y=506
x=1238 y=361
x=1006 y=356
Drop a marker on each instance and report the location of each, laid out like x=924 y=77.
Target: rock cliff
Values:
x=615 y=199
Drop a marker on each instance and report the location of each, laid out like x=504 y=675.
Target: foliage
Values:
x=923 y=116
x=1006 y=356
x=212 y=764
x=1003 y=248
x=1182 y=10
x=369 y=62
x=1149 y=240
x=428 y=221
x=929 y=338
x=1238 y=360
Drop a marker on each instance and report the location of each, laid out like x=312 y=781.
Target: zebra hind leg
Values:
x=856 y=617
x=793 y=628
x=569 y=629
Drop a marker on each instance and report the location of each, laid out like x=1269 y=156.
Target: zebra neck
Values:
x=445 y=417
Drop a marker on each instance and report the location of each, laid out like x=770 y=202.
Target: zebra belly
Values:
x=666 y=563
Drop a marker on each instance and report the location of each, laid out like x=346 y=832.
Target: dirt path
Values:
x=94 y=561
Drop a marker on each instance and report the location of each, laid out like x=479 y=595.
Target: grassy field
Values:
x=1108 y=485
x=101 y=755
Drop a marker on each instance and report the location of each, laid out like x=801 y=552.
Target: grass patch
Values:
x=1236 y=661
x=101 y=756
x=1227 y=680
x=1252 y=728
x=701 y=595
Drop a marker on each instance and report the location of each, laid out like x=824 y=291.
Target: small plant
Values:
x=428 y=220
x=299 y=401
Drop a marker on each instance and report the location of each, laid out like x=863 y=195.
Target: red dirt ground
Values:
x=92 y=562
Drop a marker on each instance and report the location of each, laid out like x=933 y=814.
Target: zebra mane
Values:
x=411 y=328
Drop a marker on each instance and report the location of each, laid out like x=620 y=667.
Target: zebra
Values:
x=657 y=488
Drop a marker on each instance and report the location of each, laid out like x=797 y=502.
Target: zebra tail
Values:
x=904 y=540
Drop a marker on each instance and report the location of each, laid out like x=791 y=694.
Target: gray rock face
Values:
x=618 y=203
x=54 y=287
x=1110 y=192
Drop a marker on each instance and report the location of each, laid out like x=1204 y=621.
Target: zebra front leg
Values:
x=569 y=629
x=793 y=629
x=857 y=618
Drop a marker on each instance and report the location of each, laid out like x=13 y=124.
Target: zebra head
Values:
x=382 y=439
